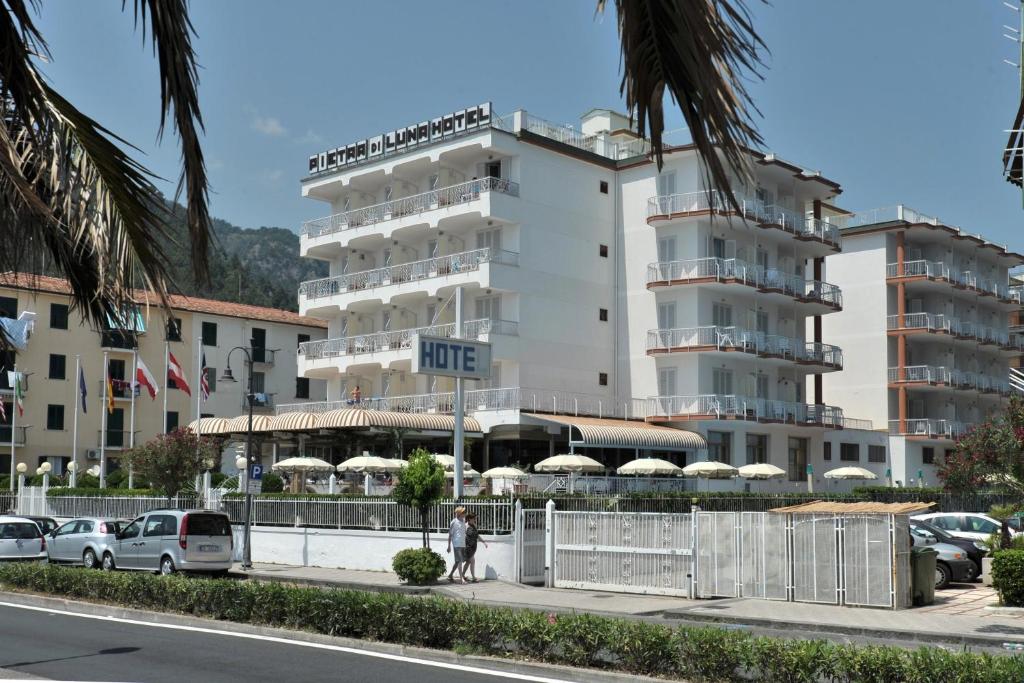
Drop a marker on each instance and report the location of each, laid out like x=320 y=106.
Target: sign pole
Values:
x=14 y=422
x=459 y=438
x=75 y=394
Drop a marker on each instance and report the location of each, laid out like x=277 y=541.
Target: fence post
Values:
x=694 y=550
x=549 y=544
x=517 y=527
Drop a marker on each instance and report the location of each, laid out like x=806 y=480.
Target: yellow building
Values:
x=60 y=340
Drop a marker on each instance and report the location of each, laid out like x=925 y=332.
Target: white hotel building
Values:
x=607 y=289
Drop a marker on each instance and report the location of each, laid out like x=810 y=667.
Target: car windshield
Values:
x=1014 y=523
x=208 y=525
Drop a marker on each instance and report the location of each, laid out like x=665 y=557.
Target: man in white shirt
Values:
x=457 y=540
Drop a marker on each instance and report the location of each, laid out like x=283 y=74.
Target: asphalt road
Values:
x=64 y=647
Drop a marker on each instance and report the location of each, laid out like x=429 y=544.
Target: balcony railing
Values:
x=262 y=355
x=119 y=339
x=756 y=210
x=966 y=329
x=6 y=431
x=959 y=379
x=260 y=400
x=119 y=389
x=739 y=339
x=392 y=340
x=452 y=195
x=940 y=429
x=735 y=270
x=116 y=439
x=452 y=264
x=937 y=270
x=730 y=406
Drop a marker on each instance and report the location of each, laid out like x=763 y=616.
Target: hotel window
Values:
x=209 y=334
x=602 y=314
x=55 y=417
x=604 y=187
x=797 y=459
x=8 y=307
x=58 y=366
x=849 y=452
x=58 y=316
x=602 y=379
x=492 y=169
x=301 y=387
x=174 y=330
x=928 y=455
x=259 y=382
x=828 y=450
x=172 y=420
x=666 y=183
x=757 y=448
x=211 y=379
x=602 y=251
x=721 y=381
x=720 y=446
x=721 y=315
x=876 y=453
x=666 y=381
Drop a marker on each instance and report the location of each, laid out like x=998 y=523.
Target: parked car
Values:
x=21 y=539
x=975 y=549
x=45 y=524
x=970 y=525
x=82 y=540
x=167 y=541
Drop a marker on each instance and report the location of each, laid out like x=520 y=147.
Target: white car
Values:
x=971 y=525
x=21 y=539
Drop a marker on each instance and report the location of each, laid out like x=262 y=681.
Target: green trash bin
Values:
x=922 y=574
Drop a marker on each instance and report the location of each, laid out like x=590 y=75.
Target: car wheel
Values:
x=166 y=565
x=972 y=573
x=942 y=575
x=89 y=558
x=108 y=562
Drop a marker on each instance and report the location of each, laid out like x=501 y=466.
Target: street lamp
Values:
x=250 y=459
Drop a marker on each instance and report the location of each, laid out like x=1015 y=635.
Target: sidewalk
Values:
x=961 y=615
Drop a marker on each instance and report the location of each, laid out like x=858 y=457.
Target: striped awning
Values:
x=345 y=418
x=293 y=422
x=240 y=424
x=209 y=426
x=604 y=433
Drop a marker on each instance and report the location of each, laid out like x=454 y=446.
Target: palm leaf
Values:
x=697 y=50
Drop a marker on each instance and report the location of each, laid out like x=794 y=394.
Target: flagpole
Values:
x=167 y=382
x=78 y=403
x=199 y=383
x=103 y=420
x=14 y=424
x=132 y=386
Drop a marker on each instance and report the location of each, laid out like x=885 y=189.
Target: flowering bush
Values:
x=171 y=461
x=990 y=454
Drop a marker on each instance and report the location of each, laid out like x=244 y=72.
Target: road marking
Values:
x=300 y=643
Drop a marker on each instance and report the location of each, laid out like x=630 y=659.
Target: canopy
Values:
x=345 y=418
x=649 y=467
x=850 y=473
x=397 y=463
x=595 y=432
x=569 y=463
x=209 y=426
x=367 y=463
x=504 y=473
x=710 y=469
x=762 y=470
x=302 y=465
x=240 y=424
x=293 y=422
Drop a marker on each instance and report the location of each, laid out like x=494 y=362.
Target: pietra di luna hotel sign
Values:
x=455 y=123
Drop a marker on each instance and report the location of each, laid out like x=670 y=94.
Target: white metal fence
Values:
x=530 y=533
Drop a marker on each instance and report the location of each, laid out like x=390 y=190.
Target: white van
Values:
x=167 y=541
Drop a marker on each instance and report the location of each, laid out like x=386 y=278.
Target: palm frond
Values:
x=698 y=51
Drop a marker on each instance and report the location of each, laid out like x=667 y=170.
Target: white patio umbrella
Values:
x=444 y=460
x=366 y=463
x=504 y=473
x=710 y=469
x=302 y=464
x=649 y=467
x=569 y=462
x=467 y=473
x=761 y=470
x=850 y=473
x=397 y=463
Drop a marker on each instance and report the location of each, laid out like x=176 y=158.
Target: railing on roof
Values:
x=731 y=406
x=394 y=340
x=734 y=338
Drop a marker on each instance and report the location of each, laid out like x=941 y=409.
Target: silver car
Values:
x=21 y=539
x=167 y=541
x=83 y=540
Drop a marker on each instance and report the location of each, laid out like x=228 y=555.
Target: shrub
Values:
x=272 y=483
x=116 y=478
x=1008 y=577
x=418 y=566
x=218 y=478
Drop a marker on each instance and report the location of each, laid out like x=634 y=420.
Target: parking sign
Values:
x=254 y=484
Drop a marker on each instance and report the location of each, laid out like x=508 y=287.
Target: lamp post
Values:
x=73 y=469
x=250 y=456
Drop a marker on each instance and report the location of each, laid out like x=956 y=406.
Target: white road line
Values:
x=299 y=643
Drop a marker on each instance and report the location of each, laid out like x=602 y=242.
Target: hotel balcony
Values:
x=941 y=326
x=937 y=377
x=732 y=407
x=6 y=431
x=120 y=390
x=773 y=218
x=386 y=348
x=117 y=439
x=716 y=339
x=937 y=277
x=718 y=273
x=324 y=297
x=927 y=429
x=119 y=341
x=326 y=237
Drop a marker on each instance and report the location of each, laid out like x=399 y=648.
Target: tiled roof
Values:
x=53 y=285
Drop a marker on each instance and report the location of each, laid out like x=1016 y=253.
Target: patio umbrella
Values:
x=710 y=469
x=568 y=463
x=649 y=467
x=467 y=472
x=504 y=473
x=366 y=463
x=397 y=463
x=444 y=460
x=850 y=473
x=302 y=465
x=761 y=470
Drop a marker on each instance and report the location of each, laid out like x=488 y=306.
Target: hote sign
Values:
x=402 y=138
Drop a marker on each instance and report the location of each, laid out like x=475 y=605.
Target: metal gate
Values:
x=868 y=559
x=636 y=552
x=530 y=544
x=765 y=556
x=718 y=555
x=815 y=552
x=32 y=501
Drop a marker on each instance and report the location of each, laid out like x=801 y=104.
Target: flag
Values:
x=19 y=393
x=204 y=382
x=145 y=378
x=110 y=394
x=175 y=373
x=81 y=386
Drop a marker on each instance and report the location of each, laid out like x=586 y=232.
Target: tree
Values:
x=171 y=461
x=72 y=200
x=990 y=454
x=420 y=486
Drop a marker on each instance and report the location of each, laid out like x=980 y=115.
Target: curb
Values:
x=328 y=583
x=497 y=664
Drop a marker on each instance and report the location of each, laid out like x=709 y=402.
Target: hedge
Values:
x=581 y=640
x=1008 y=577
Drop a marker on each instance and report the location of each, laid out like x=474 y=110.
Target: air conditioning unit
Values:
x=92 y=454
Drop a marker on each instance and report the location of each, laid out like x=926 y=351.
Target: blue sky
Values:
x=900 y=102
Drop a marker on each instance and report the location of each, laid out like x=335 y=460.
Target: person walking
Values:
x=457 y=540
x=472 y=536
